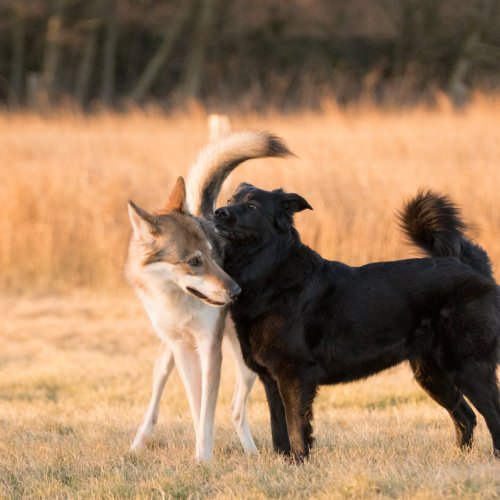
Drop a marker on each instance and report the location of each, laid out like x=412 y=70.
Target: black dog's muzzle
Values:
x=224 y=221
x=222 y=213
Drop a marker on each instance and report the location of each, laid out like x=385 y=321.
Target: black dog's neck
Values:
x=249 y=263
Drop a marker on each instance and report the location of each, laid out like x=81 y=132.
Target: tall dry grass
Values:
x=64 y=181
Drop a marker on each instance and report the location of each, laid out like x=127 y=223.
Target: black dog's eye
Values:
x=195 y=262
x=251 y=206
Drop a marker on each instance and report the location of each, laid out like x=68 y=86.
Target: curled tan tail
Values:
x=217 y=160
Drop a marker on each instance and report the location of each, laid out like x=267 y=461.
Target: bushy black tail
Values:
x=435 y=224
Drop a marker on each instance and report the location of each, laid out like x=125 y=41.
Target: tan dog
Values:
x=174 y=266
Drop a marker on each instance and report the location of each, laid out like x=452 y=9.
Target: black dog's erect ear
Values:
x=293 y=203
x=243 y=185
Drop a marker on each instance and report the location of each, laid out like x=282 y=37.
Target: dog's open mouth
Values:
x=198 y=294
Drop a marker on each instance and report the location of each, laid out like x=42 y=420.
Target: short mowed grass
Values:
x=74 y=382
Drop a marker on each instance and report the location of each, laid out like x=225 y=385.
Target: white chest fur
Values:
x=176 y=316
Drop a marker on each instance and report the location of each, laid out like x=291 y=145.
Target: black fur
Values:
x=303 y=321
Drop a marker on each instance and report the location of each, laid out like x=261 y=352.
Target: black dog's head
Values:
x=254 y=215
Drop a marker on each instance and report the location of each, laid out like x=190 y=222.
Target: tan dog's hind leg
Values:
x=163 y=367
x=244 y=384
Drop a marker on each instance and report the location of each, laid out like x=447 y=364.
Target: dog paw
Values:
x=296 y=458
x=203 y=458
x=139 y=443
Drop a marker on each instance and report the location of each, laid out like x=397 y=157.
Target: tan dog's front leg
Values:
x=210 y=351
x=188 y=364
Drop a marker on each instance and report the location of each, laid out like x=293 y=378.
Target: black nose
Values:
x=222 y=213
x=234 y=291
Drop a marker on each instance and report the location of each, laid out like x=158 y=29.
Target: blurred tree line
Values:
x=245 y=53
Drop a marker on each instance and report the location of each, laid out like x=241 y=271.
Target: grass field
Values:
x=77 y=349
x=74 y=382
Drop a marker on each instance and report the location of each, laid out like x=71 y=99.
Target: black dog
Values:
x=303 y=321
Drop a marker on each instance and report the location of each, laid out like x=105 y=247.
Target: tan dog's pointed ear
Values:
x=143 y=223
x=177 y=199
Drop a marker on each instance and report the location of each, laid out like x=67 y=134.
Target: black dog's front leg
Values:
x=279 y=430
x=298 y=399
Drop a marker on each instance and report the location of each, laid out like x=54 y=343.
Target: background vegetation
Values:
x=248 y=54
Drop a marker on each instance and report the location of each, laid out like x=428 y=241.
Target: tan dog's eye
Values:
x=195 y=262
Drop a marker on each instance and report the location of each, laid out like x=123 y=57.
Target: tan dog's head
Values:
x=172 y=247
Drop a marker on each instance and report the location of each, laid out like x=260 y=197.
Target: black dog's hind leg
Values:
x=298 y=398
x=439 y=386
x=281 y=443
x=422 y=339
x=478 y=381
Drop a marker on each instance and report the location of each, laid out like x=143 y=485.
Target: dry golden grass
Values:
x=75 y=368
x=64 y=182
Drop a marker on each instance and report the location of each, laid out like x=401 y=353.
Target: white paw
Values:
x=203 y=456
x=139 y=442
